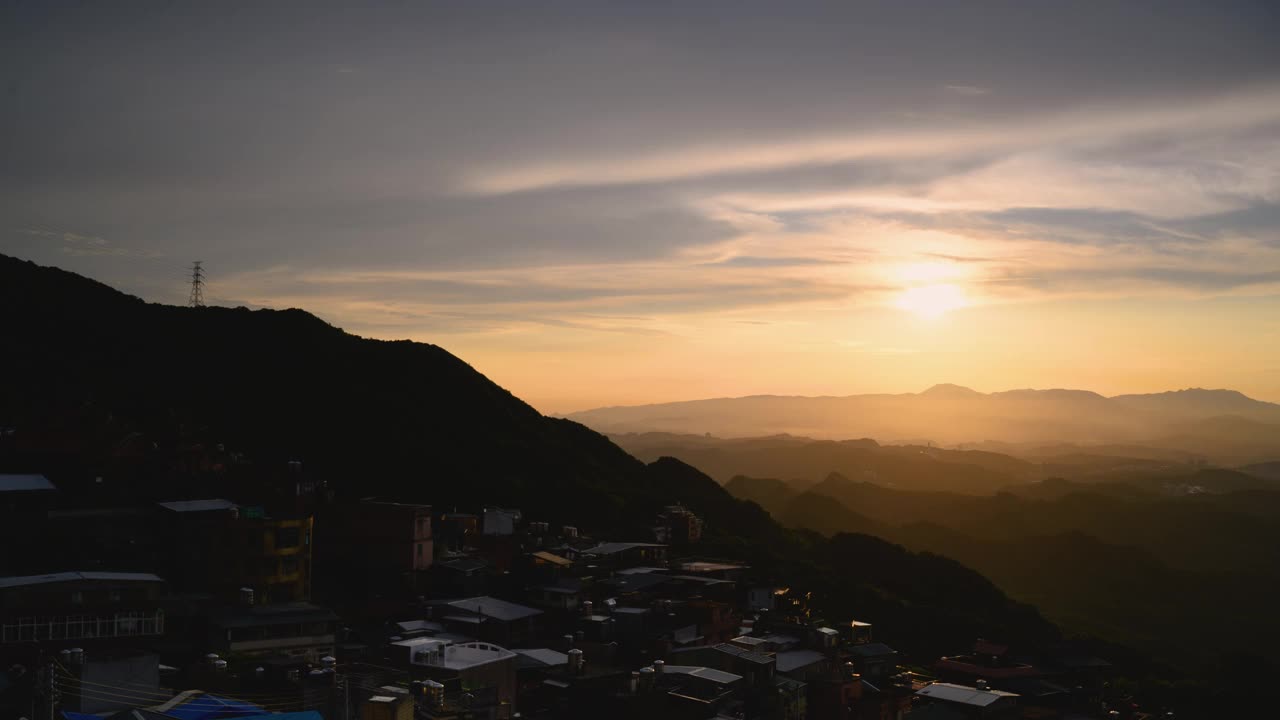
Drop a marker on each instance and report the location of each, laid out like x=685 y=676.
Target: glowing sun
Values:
x=931 y=301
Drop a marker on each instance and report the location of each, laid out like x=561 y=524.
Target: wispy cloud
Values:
x=967 y=90
x=1224 y=112
x=80 y=245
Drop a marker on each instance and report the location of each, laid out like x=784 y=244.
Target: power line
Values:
x=197 y=285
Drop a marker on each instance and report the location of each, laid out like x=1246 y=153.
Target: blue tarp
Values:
x=212 y=707
x=79 y=716
x=304 y=715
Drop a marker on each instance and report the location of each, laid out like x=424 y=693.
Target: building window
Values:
x=289 y=565
x=287 y=537
x=418 y=549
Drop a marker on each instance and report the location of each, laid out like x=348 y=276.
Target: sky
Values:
x=605 y=203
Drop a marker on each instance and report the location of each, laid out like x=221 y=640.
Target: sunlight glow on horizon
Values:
x=932 y=301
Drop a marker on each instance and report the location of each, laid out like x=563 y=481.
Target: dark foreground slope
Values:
x=92 y=373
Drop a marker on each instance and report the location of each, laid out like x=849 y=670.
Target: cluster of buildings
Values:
x=296 y=607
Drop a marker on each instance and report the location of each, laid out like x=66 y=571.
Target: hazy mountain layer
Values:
x=1120 y=559
x=1220 y=425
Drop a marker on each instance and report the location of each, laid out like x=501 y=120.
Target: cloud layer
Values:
x=589 y=176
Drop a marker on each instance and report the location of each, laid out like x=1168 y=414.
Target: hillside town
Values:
x=274 y=601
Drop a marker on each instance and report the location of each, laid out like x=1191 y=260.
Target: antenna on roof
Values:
x=197 y=285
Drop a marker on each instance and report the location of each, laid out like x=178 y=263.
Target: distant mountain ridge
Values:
x=1222 y=425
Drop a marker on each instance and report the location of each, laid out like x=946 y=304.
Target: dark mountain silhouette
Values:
x=1223 y=425
x=97 y=375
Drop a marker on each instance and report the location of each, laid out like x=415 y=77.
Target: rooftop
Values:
x=419 y=626
x=636 y=581
x=25 y=580
x=963 y=694
x=495 y=609
x=748 y=655
x=552 y=558
x=871 y=650
x=275 y=614
x=543 y=657
x=198 y=505
x=467 y=655
x=781 y=640
x=464 y=564
x=640 y=570
x=704 y=673
x=617 y=547
x=421 y=643
x=788 y=660
x=699 y=566
x=24 y=483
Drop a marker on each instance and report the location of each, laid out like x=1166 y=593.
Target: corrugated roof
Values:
x=635 y=582
x=544 y=656
x=706 y=673
x=275 y=614
x=24 y=483
x=789 y=660
x=871 y=650
x=198 y=505
x=551 y=558
x=617 y=547
x=963 y=694
x=23 y=580
x=749 y=655
x=419 y=626
x=492 y=607
x=700 y=566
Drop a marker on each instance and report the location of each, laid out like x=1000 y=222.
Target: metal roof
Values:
x=551 y=558
x=24 y=580
x=198 y=505
x=749 y=655
x=617 y=547
x=963 y=694
x=789 y=660
x=464 y=564
x=275 y=614
x=780 y=639
x=635 y=582
x=699 y=566
x=871 y=650
x=716 y=676
x=24 y=483
x=420 y=641
x=544 y=656
x=419 y=625
x=494 y=608
x=468 y=655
